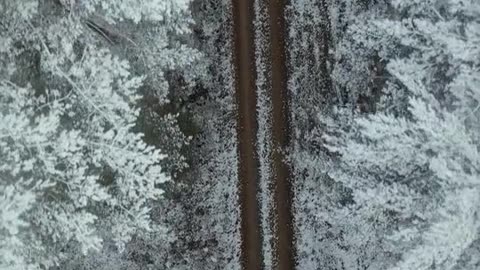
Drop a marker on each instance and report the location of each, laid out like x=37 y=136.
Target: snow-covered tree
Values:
x=422 y=167
x=73 y=168
x=356 y=66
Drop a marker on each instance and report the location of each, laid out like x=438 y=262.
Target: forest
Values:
x=239 y=134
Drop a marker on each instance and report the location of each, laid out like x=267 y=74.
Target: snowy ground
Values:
x=310 y=165
x=218 y=161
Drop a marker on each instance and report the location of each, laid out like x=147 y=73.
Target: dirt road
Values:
x=244 y=59
x=284 y=246
x=245 y=68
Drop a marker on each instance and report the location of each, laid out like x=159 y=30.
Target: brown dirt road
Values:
x=244 y=60
x=284 y=246
x=245 y=70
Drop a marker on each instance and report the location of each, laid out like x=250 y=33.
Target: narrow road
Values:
x=245 y=76
x=244 y=60
x=284 y=246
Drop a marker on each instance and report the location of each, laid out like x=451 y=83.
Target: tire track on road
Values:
x=244 y=60
x=283 y=194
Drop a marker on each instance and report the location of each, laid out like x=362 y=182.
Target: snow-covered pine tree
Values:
x=72 y=168
x=421 y=168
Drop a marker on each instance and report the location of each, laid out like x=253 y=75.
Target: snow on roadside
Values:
x=217 y=175
x=263 y=144
x=305 y=85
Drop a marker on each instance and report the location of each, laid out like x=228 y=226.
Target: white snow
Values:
x=263 y=144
